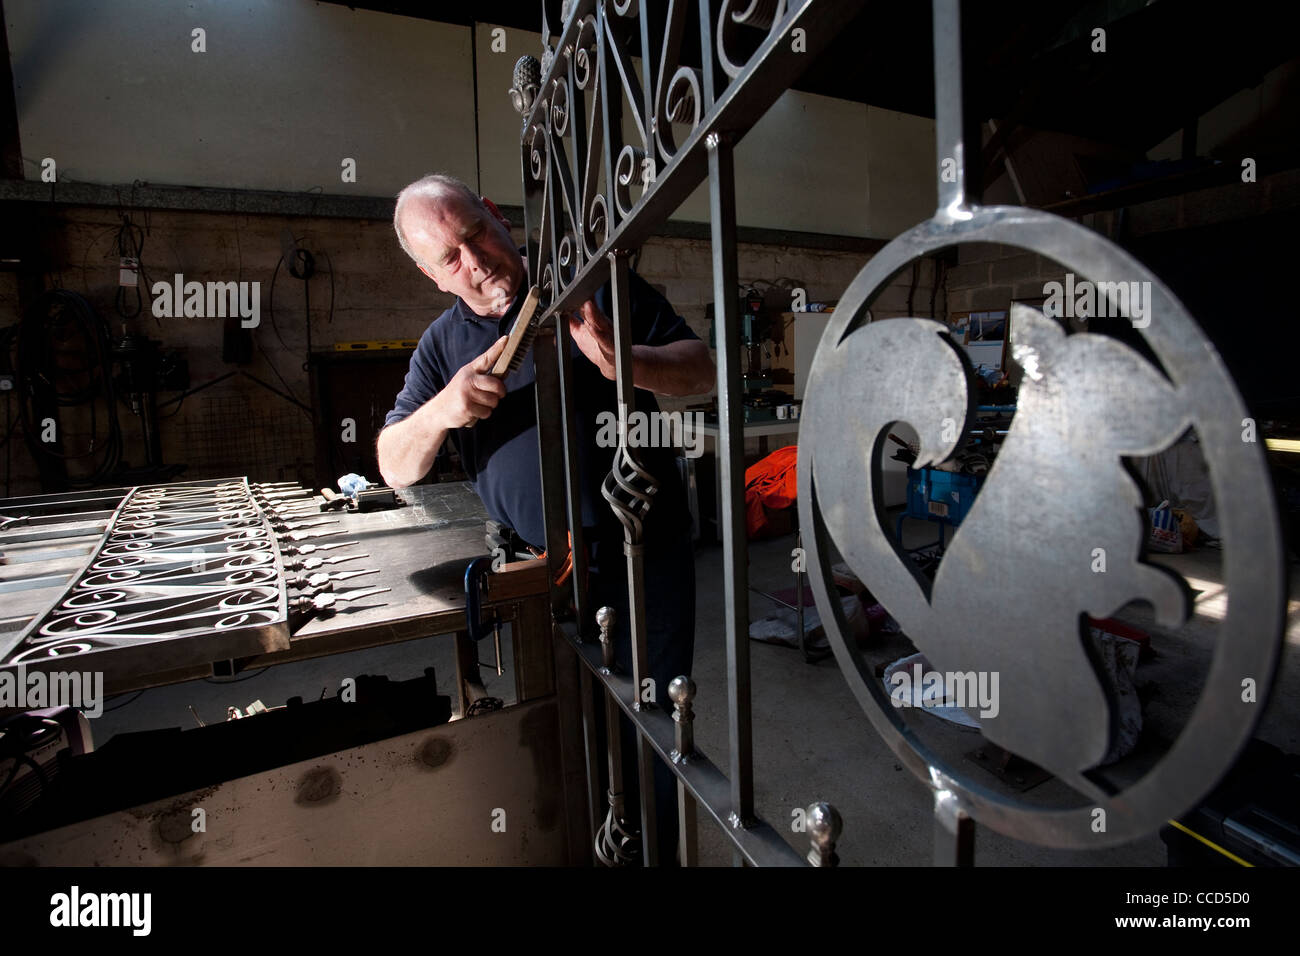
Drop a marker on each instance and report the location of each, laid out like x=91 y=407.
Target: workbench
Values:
x=511 y=758
x=420 y=552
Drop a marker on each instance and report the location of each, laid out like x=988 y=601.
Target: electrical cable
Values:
x=134 y=698
x=130 y=244
x=239 y=680
x=270 y=303
x=271 y=365
x=330 y=318
x=42 y=372
x=306 y=308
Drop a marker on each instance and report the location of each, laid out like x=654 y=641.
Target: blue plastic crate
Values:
x=934 y=495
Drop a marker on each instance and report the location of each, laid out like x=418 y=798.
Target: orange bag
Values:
x=771 y=484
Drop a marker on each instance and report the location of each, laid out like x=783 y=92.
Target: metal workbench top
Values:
x=421 y=551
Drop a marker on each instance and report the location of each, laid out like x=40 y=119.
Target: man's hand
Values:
x=472 y=393
x=406 y=449
x=594 y=335
x=678 y=368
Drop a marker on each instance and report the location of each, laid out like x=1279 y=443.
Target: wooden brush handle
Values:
x=517 y=333
x=502 y=365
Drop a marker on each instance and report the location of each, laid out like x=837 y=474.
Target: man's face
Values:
x=467 y=250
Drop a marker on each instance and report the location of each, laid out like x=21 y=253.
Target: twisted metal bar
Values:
x=615 y=845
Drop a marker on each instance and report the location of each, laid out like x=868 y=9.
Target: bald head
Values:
x=461 y=241
x=432 y=189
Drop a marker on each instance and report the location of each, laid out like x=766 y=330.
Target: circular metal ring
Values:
x=1221 y=722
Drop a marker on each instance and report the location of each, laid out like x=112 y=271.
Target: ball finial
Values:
x=824 y=824
x=681 y=690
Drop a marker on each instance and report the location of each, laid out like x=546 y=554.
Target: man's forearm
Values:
x=678 y=368
x=406 y=449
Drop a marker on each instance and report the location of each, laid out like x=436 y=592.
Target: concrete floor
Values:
x=811 y=739
x=813 y=742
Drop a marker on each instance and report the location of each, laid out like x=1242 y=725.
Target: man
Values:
x=462 y=242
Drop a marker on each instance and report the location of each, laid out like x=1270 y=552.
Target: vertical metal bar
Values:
x=551 y=430
x=577 y=158
x=731 y=461
x=11 y=150
x=649 y=67
x=611 y=103
x=626 y=389
x=954 y=832
x=682 y=693
x=633 y=549
x=572 y=678
x=554 y=202
x=590 y=753
x=707 y=68
x=613 y=739
x=573 y=486
x=532 y=211
x=948 y=117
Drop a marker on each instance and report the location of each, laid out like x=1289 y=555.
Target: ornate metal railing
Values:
x=593 y=196
x=183 y=574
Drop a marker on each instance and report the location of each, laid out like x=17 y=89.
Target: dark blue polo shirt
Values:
x=500 y=453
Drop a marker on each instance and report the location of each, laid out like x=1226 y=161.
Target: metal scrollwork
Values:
x=174 y=562
x=756 y=14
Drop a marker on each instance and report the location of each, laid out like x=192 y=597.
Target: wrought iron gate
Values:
x=592 y=198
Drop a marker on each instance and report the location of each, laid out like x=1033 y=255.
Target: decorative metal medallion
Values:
x=1021 y=575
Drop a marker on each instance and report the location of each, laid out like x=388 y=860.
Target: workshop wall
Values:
x=115 y=91
x=990 y=277
x=872 y=166
x=239 y=427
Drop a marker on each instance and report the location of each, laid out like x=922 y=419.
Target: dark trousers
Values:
x=669 y=575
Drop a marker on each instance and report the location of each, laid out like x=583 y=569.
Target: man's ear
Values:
x=492 y=208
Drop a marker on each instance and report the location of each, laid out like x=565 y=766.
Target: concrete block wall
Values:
x=236 y=427
x=379 y=294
